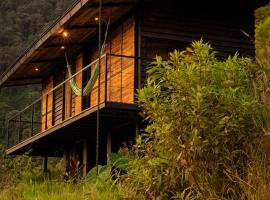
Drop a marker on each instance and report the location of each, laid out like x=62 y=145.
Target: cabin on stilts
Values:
x=88 y=86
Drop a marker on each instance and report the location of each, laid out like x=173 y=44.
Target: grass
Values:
x=53 y=190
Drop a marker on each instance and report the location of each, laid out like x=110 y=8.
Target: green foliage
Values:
x=204 y=115
x=262 y=35
x=118 y=161
x=207 y=138
x=103 y=174
x=21 y=22
x=105 y=185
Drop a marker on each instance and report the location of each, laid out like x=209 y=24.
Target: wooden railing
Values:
x=118 y=83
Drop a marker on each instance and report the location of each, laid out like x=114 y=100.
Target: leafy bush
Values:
x=207 y=138
x=262 y=35
x=204 y=117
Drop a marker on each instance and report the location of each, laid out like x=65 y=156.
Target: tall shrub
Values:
x=262 y=35
x=204 y=115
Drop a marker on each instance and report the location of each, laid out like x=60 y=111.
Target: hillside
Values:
x=21 y=22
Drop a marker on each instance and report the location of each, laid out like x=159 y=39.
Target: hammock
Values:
x=90 y=84
x=94 y=74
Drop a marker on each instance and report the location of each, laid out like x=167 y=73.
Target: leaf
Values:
x=103 y=174
x=118 y=160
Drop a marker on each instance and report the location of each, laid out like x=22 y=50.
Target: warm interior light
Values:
x=36 y=69
x=65 y=34
x=96 y=19
x=60 y=30
x=62 y=47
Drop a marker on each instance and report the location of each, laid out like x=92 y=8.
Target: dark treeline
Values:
x=21 y=22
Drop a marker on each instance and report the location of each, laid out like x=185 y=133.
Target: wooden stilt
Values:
x=65 y=159
x=109 y=144
x=45 y=164
x=137 y=128
x=85 y=161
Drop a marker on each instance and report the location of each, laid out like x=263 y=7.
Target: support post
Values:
x=109 y=144
x=137 y=129
x=106 y=72
x=65 y=158
x=85 y=161
x=64 y=102
x=66 y=162
x=45 y=164
x=99 y=81
x=46 y=113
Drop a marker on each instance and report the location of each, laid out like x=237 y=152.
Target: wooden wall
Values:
x=58 y=98
x=47 y=104
x=171 y=24
x=120 y=70
x=63 y=103
x=78 y=79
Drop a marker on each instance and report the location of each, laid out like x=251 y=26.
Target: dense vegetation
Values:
x=207 y=138
x=205 y=117
x=21 y=22
x=207 y=135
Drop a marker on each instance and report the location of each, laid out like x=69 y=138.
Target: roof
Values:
x=46 y=53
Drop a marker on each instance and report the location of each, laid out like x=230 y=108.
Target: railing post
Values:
x=70 y=102
x=32 y=119
x=136 y=76
x=64 y=102
x=19 y=129
x=46 y=113
x=82 y=90
x=121 y=79
x=106 y=72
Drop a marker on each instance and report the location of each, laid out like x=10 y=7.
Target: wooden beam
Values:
x=58 y=45
x=86 y=26
x=60 y=59
x=114 y=4
x=50 y=31
x=25 y=81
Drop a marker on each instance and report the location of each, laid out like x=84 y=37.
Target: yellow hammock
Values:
x=90 y=84
x=94 y=75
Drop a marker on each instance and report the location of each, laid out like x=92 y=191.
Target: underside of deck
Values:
x=117 y=119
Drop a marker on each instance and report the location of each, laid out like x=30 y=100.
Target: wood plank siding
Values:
x=161 y=27
x=78 y=79
x=47 y=103
x=120 y=70
x=58 y=98
x=165 y=26
x=63 y=103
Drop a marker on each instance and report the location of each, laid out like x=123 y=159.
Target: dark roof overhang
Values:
x=46 y=53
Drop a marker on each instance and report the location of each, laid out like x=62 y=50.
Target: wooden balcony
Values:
x=59 y=108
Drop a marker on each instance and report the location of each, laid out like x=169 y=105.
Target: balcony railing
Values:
x=118 y=84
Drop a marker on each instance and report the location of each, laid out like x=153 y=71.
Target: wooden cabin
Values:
x=64 y=123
